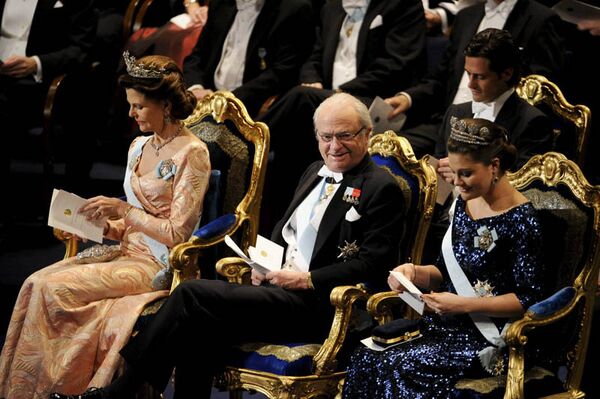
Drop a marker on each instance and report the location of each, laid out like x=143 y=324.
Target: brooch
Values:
x=166 y=169
x=349 y=250
x=486 y=239
x=351 y=195
x=483 y=289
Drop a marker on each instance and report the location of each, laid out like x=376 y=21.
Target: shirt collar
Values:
x=242 y=5
x=325 y=172
x=493 y=107
x=503 y=9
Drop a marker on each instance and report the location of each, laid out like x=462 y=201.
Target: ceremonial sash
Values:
x=489 y=355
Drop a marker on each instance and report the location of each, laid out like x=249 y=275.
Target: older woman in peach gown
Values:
x=72 y=318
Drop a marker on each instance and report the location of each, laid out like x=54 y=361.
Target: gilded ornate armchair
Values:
x=560 y=325
x=238 y=149
x=572 y=121
x=312 y=370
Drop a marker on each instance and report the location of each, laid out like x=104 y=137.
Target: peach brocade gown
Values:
x=70 y=320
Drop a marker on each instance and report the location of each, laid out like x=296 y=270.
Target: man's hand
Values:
x=315 y=85
x=592 y=25
x=289 y=279
x=198 y=13
x=445 y=171
x=201 y=93
x=432 y=19
x=400 y=104
x=257 y=278
x=18 y=66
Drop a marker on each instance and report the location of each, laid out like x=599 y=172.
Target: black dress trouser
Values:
x=203 y=319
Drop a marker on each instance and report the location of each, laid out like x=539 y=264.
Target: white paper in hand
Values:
x=379 y=111
x=576 y=11
x=64 y=215
x=412 y=295
x=264 y=258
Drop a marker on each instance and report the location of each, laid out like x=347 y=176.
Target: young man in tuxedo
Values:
x=493 y=66
x=343 y=227
x=536 y=31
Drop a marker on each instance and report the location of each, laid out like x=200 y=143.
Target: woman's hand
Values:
x=104 y=207
x=408 y=270
x=445 y=303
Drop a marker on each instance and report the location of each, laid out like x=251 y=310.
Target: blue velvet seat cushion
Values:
x=290 y=359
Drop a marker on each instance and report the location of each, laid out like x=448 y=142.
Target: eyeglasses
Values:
x=341 y=137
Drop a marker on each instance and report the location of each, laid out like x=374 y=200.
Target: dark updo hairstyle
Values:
x=497 y=46
x=159 y=78
x=481 y=140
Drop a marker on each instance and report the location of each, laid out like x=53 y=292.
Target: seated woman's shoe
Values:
x=91 y=393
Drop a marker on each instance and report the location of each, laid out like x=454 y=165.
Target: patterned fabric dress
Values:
x=70 y=320
x=429 y=367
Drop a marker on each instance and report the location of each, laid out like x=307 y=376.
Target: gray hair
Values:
x=342 y=98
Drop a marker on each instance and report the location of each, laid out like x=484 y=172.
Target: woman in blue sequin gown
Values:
x=429 y=367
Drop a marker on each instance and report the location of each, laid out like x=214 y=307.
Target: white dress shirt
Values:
x=14 y=30
x=490 y=110
x=229 y=74
x=300 y=231
x=344 y=63
x=495 y=17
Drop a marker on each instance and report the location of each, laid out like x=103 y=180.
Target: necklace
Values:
x=159 y=146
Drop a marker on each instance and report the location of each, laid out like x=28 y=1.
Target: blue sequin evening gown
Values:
x=428 y=367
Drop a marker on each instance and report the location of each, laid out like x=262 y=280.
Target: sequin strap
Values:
x=490 y=355
x=159 y=250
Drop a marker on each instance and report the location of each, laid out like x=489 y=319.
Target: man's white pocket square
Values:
x=352 y=215
x=58 y=4
x=377 y=21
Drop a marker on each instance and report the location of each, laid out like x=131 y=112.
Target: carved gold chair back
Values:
x=418 y=181
x=572 y=121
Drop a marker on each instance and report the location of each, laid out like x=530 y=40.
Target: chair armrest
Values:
x=542 y=313
x=183 y=257
x=545 y=312
x=216 y=228
x=71 y=243
x=342 y=298
x=234 y=269
x=380 y=305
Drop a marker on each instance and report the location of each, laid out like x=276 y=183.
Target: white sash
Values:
x=159 y=250
x=463 y=287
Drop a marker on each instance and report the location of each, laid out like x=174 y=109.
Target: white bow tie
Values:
x=479 y=108
x=325 y=172
x=355 y=8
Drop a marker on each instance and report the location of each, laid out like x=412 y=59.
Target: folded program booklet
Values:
x=64 y=215
x=265 y=257
x=412 y=295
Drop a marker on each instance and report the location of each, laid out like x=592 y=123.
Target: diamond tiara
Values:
x=469 y=134
x=138 y=70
